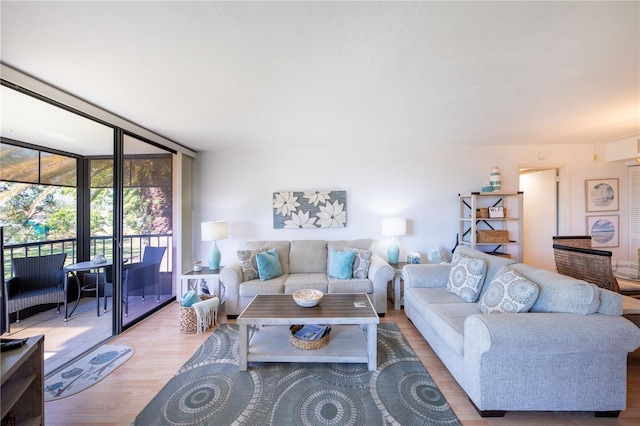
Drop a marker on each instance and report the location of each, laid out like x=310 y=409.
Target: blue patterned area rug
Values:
x=210 y=390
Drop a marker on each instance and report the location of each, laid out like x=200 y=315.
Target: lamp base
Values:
x=214 y=257
x=393 y=252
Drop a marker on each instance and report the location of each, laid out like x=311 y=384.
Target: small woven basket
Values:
x=493 y=236
x=308 y=345
x=188 y=318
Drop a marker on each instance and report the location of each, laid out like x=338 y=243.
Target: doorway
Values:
x=541 y=215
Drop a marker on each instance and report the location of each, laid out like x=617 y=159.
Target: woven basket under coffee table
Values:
x=309 y=345
x=188 y=318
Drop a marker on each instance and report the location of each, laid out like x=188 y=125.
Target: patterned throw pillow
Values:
x=361 y=263
x=248 y=263
x=509 y=292
x=466 y=277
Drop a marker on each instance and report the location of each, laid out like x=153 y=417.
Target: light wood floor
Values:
x=160 y=350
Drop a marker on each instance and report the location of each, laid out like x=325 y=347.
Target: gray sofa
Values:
x=304 y=265
x=568 y=353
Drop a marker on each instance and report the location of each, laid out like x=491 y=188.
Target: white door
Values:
x=539 y=217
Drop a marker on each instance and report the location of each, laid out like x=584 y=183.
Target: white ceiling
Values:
x=212 y=75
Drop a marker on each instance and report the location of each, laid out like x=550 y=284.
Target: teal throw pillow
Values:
x=268 y=264
x=189 y=298
x=340 y=264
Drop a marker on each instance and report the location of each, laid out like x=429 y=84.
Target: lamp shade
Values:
x=394 y=226
x=215 y=230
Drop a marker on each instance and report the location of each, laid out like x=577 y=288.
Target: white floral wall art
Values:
x=309 y=209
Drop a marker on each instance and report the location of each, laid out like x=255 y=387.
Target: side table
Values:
x=190 y=281
x=398 y=300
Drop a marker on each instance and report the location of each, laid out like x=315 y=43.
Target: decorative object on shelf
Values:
x=214 y=231
x=492 y=236
x=603 y=231
x=486 y=186
x=496 y=212
x=482 y=212
x=601 y=195
x=197 y=266
x=495 y=179
x=394 y=227
x=413 y=258
x=309 y=209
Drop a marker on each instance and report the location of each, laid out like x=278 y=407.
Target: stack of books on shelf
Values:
x=311 y=332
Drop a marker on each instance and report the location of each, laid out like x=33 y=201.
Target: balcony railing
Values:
x=133 y=246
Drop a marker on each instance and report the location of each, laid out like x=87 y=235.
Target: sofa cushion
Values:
x=355 y=285
x=341 y=264
x=431 y=295
x=283 y=247
x=560 y=293
x=248 y=264
x=297 y=282
x=466 y=277
x=447 y=319
x=268 y=264
x=256 y=287
x=509 y=292
x=361 y=263
x=308 y=256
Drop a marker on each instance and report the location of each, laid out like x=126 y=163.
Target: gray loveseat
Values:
x=568 y=353
x=304 y=265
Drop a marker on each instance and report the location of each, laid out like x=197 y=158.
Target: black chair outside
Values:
x=138 y=276
x=37 y=280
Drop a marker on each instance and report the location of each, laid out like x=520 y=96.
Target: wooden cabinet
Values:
x=23 y=382
x=492 y=222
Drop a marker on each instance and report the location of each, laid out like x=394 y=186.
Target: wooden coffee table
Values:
x=264 y=330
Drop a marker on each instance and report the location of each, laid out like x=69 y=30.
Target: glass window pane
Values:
x=18 y=164
x=57 y=170
x=101 y=173
x=147 y=172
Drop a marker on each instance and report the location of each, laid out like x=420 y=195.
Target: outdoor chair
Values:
x=36 y=280
x=580 y=241
x=138 y=276
x=593 y=266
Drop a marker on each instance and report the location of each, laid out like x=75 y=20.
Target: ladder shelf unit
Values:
x=495 y=235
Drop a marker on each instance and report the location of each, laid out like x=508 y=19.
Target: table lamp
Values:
x=394 y=227
x=214 y=231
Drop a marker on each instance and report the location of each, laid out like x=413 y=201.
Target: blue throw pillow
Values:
x=340 y=264
x=268 y=264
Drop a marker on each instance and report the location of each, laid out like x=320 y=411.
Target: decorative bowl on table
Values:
x=307 y=298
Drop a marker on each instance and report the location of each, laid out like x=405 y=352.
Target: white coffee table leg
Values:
x=372 y=346
x=243 y=347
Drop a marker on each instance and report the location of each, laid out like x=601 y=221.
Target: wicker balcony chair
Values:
x=593 y=266
x=580 y=241
x=37 y=280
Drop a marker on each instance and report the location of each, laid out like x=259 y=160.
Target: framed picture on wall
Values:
x=601 y=195
x=604 y=231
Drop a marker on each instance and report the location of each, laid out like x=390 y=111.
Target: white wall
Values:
x=421 y=185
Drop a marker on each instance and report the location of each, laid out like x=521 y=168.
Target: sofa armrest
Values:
x=426 y=275
x=231 y=277
x=548 y=333
x=380 y=273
